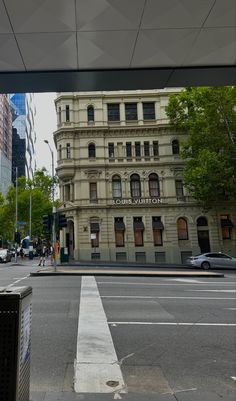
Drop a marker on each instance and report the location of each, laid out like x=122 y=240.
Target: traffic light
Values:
x=17 y=237
x=62 y=222
x=47 y=222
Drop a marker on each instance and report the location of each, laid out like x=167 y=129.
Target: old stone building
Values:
x=121 y=185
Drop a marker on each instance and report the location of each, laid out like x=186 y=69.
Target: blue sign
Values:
x=21 y=223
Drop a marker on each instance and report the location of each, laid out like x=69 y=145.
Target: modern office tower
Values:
x=24 y=136
x=5 y=143
x=121 y=182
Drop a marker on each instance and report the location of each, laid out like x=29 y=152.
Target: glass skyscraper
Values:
x=5 y=144
x=24 y=136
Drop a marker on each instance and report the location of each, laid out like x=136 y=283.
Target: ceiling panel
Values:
x=223 y=14
x=108 y=14
x=10 y=59
x=105 y=50
x=5 y=26
x=41 y=15
x=45 y=51
x=175 y=13
x=164 y=47
x=214 y=46
x=118 y=35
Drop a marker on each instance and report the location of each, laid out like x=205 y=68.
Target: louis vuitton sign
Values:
x=140 y=201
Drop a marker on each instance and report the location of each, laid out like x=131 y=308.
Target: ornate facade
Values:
x=121 y=187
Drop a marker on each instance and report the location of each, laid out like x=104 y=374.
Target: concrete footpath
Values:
x=108 y=270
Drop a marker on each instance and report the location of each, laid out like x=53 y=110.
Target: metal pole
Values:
x=30 y=217
x=54 y=211
x=16 y=227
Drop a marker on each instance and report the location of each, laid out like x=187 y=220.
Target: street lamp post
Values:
x=53 y=210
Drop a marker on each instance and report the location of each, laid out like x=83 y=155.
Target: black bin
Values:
x=15 y=343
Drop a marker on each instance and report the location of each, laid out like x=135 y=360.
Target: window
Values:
x=137 y=149
x=119 y=231
x=128 y=149
x=226 y=226
x=68 y=153
x=149 y=111
x=116 y=187
x=131 y=111
x=157 y=228
x=154 y=187
x=111 y=150
x=94 y=234
x=59 y=115
x=59 y=152
x=93 y=192
x=175 y=147
x=91 y=150
x=90 y=113
x=179 y=188
x=155 y=145
x=135 y=186
x=113 y=112
x=202 y=221
x=67 y=113
x=146 y=149
x=138 y=231
x=182 y=229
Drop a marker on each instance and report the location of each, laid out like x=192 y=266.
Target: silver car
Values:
x=212 y=260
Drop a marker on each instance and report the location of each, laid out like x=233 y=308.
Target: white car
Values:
x=5 y=255
x=212 y=260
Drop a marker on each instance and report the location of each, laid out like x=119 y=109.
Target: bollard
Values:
x=15 y=343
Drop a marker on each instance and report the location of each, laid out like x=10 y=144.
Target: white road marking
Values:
x=186 y=280
x=174 y=324
x=233 y=377
x=96 y=360
x=17 y=281
x=160 y=284
x=212 y=290
x=230 y=308
x=153 y=297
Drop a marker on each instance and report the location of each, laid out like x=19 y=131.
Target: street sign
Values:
x=21 y=223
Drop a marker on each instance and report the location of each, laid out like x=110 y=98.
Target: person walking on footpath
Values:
x=42 y=256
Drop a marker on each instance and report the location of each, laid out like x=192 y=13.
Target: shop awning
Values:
x=226 y=223
x=119 y=226
x=94 y=227
x=138 y=225
x=157 y=225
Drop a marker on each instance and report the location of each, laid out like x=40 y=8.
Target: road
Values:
x=174 y=339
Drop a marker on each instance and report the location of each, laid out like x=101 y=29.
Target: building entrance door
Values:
x=203 y=241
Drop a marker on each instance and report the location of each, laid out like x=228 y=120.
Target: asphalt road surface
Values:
x=146 y=338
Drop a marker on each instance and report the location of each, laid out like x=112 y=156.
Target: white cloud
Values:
x=45 y=125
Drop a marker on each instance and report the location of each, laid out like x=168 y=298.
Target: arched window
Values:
x=90 y=113
x=116 y=187
x=135 y=186
x=175 y=147
x=154 y=187
x=202 y=222
x=91 y=150
x=182 y=228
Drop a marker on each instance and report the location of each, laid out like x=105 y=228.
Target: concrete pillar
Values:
x=122 y=114
x=140 y=113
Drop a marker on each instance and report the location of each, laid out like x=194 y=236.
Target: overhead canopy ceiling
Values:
x=64 y=45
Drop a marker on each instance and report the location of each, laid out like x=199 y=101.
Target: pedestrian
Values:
x=22 y=253
x=42 y=256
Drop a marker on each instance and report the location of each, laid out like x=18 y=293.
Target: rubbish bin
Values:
x=64 y=255
x=15 y=343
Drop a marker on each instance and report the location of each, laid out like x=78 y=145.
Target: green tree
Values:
x=208 y=116
x=40 y=190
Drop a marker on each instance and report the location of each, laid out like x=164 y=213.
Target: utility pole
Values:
x=30 y=217
x=54 y=211
x=16 y=227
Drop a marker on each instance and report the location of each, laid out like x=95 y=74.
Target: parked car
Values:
x=5 y=255
x=212 y=260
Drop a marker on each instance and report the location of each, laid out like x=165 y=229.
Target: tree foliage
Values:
x=208 y=116
x=40 y=189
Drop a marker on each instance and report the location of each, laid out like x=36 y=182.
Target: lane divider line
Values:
x=97 y=368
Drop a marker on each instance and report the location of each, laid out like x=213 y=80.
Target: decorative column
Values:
x=122 y=114
x=140 y=113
